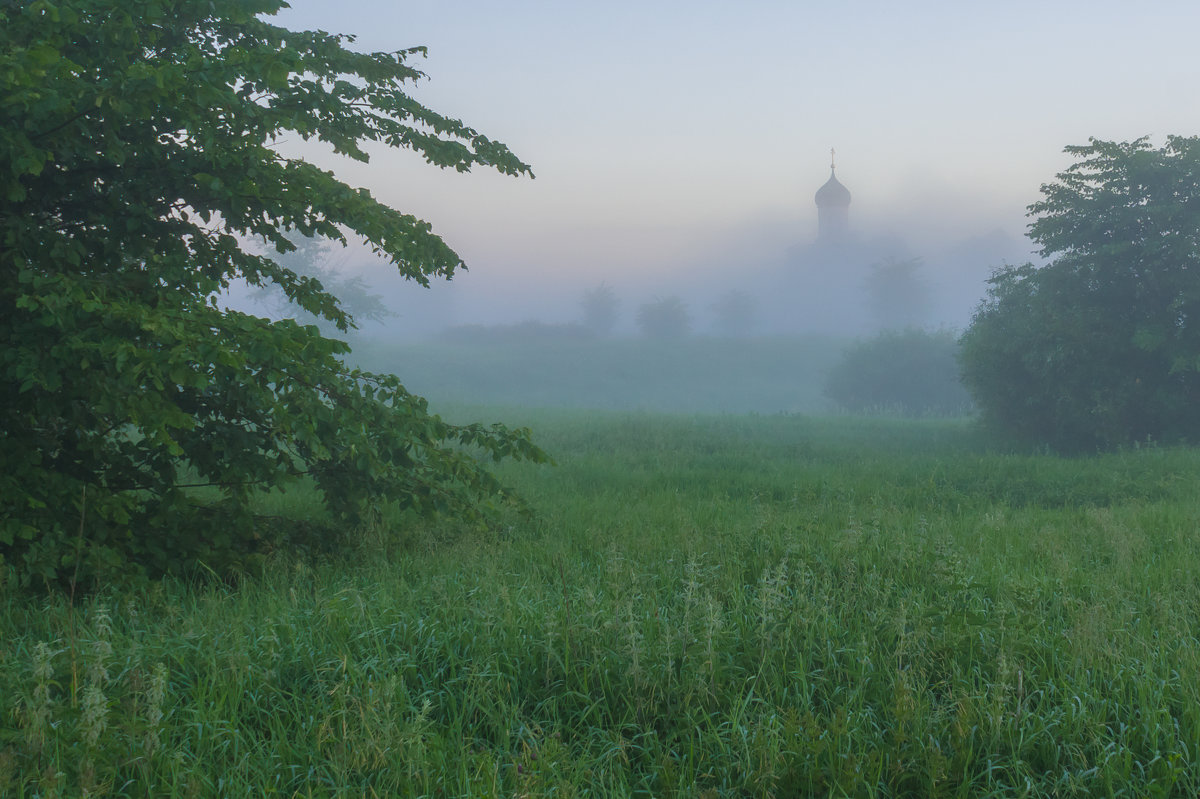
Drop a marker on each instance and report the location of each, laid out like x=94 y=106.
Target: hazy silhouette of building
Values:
x=833 y=208
x=831 y=285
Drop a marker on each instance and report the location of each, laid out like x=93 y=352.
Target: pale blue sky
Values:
x=662 y=132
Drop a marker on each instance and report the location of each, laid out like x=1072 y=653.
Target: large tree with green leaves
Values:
x=1101 y=346
x=138 y=157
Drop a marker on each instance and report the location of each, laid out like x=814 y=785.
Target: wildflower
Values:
x=94 y=714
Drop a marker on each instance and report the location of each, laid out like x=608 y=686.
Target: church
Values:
x=820 y=285
x=850 y=281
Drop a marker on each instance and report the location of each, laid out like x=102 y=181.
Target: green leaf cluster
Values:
x=1101 y=347
x=138 y=154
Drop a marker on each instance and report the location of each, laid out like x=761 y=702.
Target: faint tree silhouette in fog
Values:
x=664 y=318
x=734 y=313
x=897 y=295
x=599 y=305
x=909 y=372
x=312 y=259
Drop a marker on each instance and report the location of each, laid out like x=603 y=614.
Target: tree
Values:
x=896 y=293
x=138 y=153
x=1100 y=347
x=664 y=318
x=910 y=372
x=600 y=306
x=310 y=259
x=734 y=311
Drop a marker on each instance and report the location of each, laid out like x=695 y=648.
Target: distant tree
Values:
x=897 y=295
x=311 y=259
x=138 y=153
x=1100 y=347
x=600 y=306
x=734 y=313
x=910 y=372
x=664 y=318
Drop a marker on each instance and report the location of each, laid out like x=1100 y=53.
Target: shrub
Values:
x=912 y=372
x=664 y=318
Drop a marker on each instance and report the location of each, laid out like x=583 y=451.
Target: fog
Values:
x=798 y=284
x=678 y=147
x=762 y=311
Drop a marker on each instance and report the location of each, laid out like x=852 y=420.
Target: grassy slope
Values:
x=719 y=606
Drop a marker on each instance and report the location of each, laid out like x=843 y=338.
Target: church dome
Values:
x=832 y=193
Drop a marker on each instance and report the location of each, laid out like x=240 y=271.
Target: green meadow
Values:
x=701 y=606
x=498 y=366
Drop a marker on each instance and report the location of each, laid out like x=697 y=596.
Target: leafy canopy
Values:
x=138 y=153
x=1101 y=347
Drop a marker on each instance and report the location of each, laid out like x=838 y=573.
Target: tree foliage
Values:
x=600 y=307
x=1100 y=347
x=138 y=151
x=311 y=259
x=897 y=295
x=734 y=313
x=664 y=318
x=910 y=372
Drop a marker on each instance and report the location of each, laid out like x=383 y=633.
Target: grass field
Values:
x=691 y=375
x=703 y=607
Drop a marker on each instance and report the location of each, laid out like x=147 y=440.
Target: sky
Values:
x=675 y=139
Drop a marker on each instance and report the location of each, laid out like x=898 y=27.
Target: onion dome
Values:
x=833 y=193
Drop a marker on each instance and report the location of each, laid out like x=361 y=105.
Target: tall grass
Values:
x=721 y=606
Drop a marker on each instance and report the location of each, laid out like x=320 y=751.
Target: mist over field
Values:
x=640 y=185
x=643 y=189
x=760 y=316
x=798 y=283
